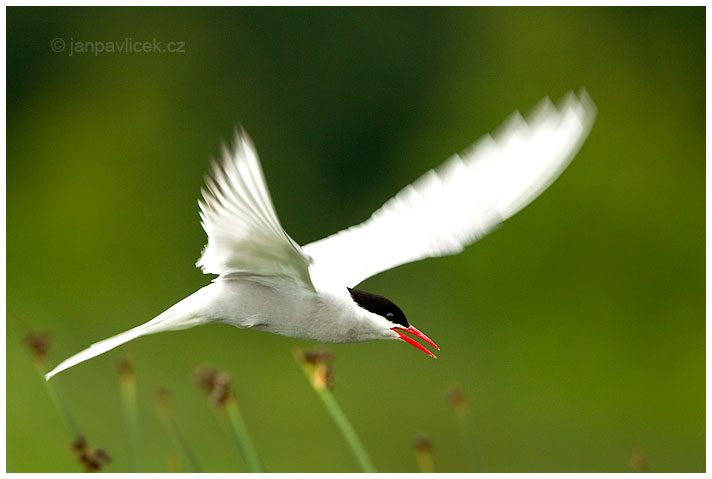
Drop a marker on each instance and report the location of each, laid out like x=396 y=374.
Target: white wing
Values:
x=462 y=200
x=244 y=234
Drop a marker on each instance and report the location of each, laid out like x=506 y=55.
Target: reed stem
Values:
x=242 y=438
x=462 y=412
x=179 y=442
x=127 y=385
x=38 y=345
x=315 y=367
x=60 y=403
x=218 y=386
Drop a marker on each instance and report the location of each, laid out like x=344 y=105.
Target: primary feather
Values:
x=244 y=234
x=466 y=197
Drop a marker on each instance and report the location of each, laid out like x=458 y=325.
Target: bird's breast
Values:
x=280 y=309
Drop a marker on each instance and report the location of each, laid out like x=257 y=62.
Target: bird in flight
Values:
x=266 y=281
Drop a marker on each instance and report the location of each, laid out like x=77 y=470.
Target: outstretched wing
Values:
x=244 y=234
x=462 y=200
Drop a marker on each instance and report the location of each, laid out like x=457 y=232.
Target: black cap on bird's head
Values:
x=380 y=306
x=387 y=309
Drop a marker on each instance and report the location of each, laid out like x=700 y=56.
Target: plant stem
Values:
x=425 y=462
x=127 y=384
x=346 y=429
x=317 y=375
x=60 y=403
x=242 y=438
x=461 y=407
x=174 y=433
x=468 y=434
x=173 y=462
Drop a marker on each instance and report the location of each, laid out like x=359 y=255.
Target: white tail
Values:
x=100 y=347
x=178 y=316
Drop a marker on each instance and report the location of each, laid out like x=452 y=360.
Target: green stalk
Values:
x=425 y=462
x=468 y=434
x=92 y=459
x=38 y=344
x=217 y=385
x=346 y=429
x=242 y=438
x=59 y=401
x=462 y=411
x=179 y=442
x=317 y=375
x=173 y=462
x=127 y=385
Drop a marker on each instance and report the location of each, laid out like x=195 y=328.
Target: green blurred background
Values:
x=577 y=330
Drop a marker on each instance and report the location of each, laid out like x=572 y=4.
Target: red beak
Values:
x=414 y=331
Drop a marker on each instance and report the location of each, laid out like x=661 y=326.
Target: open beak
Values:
x=414 y=331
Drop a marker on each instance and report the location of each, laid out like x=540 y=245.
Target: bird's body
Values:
x=266 y=281
x=265 y=305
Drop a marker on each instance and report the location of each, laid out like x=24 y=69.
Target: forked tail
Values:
x=100 y=347
x=174 y=318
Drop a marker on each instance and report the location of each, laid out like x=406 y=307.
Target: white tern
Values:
x=266 y=281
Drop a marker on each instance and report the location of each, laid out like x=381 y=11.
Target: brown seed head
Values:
x=90 y=463
x=163 y=398
x=215 y=383
x=205 y=377
x=423 y=443
x=320 y=365
x=91 y=459
x=457 y=399
x=639 y=461
x=221 y=392
x=38 y=343
x=317 y=356
x=102 y=456
x=80 y=443
x=126 y=371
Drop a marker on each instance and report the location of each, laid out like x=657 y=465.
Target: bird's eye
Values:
x=389 y=315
